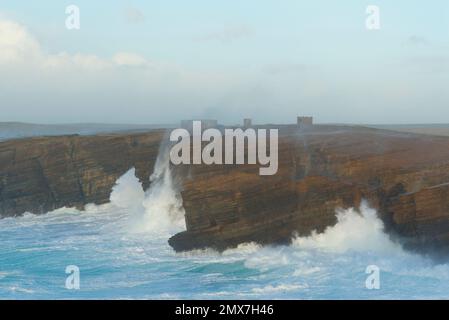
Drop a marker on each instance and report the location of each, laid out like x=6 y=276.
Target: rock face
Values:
x=404 y=176
x=321 y=168
x=41 y=174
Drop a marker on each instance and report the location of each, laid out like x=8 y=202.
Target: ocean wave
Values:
x=118 y=260
x=278 y=288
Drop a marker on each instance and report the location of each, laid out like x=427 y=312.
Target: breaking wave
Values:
x=355 y=230
x=159 y=209
x=121 y=249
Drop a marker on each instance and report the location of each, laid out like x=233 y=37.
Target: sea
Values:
x=119 y=250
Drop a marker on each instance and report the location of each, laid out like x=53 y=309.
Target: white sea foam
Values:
x=358 y=234
x=163 y=202
x=20 y=289
x=243 y=249
x=4 y=274
x=159 y=209
x=305 y=271
x=128 y=192
x=354 y=231
x=327 y=265
x=278 y=288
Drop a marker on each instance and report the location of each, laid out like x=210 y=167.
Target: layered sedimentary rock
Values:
x=41 y=174
x=323 y=168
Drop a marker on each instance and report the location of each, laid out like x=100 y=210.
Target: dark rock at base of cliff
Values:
x=404 y=176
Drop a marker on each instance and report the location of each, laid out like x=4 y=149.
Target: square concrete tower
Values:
x=247 y=123
x=303 y=122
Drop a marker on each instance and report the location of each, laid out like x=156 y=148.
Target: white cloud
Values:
x=64 y=60
x=41 y=86
x=129 y=59
x=16 y=44
x=58 y=87
x=19 y=47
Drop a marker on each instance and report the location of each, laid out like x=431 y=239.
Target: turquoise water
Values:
x=121 y=251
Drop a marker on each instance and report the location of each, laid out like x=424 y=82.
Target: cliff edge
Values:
x=404 y=176
x=41 y=174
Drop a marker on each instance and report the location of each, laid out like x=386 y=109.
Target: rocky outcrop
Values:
x=321 y=168
x=41 y=174
x=404 y=176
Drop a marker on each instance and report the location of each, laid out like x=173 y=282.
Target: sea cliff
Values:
x=44 y=173
x=322 y=168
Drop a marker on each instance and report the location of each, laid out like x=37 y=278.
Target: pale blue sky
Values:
x=268 y=60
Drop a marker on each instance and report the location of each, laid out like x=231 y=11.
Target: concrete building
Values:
x=247 y=123
x=304 y=121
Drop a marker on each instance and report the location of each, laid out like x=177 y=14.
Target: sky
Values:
x=163 y=61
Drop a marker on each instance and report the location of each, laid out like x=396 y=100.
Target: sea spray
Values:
x=116 y=263
x=163 y=201
x=159 y=209
x=128 y=193
x=357 y=233
x=354 y=231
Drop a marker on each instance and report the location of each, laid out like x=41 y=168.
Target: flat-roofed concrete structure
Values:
x=247 y=123
x=304 y=121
